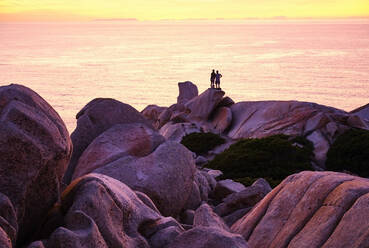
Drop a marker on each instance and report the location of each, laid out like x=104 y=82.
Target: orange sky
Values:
x=80 y=10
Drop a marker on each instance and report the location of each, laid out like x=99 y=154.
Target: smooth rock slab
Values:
x=35 y=149
x=187 y=91
x=310 y=209
x=95 y=118
x=166 y=175
x=135 y=139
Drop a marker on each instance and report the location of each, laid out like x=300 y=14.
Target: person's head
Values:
x=213 y=70
x=217 y=71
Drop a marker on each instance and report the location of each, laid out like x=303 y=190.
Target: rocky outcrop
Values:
x=187 y=91
x=121 y=140
x=320 y=124
x=95 y=118
x=222 y=119
x=362 y=112
x=310 y=209
x=166 y=176
x=99 y=211
x=208 y=237
x=205 y=216
x=226 y=187
x=35 y=149
x=202 y=106
x=175 y=132
x=152 y=113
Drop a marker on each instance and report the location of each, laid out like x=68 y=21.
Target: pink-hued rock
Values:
x=208 y=237
x=363 y=112
x=227 y=187
x=8 y=222
x=222 y=119
x=202 y=106
x=134 y=139
x=310 y=209
x=152 y=113
x=187 y=91
x=175 y=132
x=35 y=149
x=95 y=118
x=320 y=124
x=166 y=175
x=99 y=211
x=205 y=216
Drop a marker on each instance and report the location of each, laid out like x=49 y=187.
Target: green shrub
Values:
x=350 y=152
x=201 y=143
x=273 y=158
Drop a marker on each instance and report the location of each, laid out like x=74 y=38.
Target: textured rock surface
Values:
x=202 y=106
x=187 y=91
x=207 y=237
x=222 y=119
x=310 y=209
x=95 y=118
x=166 y=175
x=205 y=216
x=35 y=149
x=152 y=113
x=176 y=132
x=103 y=212
x=244 y=199
x=227 y=187
x=134 y=139
x=363 y=112
x=321 y=124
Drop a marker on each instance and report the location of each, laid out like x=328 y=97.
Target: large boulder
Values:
x=363 y=112
x=205 y=216
x=320 y=124
x=35 y=149
x=310 y=209
x=208 y=237
x=134 y=139
x=175 y=132
x=95 y=118
x=202 y=106
x=222 y=119
x=99 y=211
x=152 y=113
x=166 y=175
x=187 y=91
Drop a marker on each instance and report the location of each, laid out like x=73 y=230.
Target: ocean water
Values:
x=140 y=63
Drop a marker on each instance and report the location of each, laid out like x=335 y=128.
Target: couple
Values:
x=215 y=79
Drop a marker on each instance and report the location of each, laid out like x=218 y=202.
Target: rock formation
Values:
x=187 y=91
x=35 y=149
x=310 y=209
x=96 y=117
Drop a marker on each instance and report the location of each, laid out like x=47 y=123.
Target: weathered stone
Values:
x=207 y=237
x=102 y=212
x=187 y=91
x=309 y=209
x=35 y=149
x=225 y=102
x=203 y=105
x=95 y=118
x=163 y=237
x=363 y=112
x=222 y=119
x=146 y=200
x=204 y=216
x=166 y=176
x=152 y=113
x=194 y=200
x=235 y=216
x=321 y=147
x=227 y=187
x=200 y=160
x=135 y=139
x=175 y=132
x=357 y=122
x=187 y=217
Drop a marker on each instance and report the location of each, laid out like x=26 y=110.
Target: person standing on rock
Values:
x=217 y=80
x=212 y=79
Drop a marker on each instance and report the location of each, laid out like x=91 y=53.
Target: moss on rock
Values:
x=273 y=158
x=201 y=143
x=350 y=152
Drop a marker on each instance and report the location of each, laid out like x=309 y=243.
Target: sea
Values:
x=141 y=62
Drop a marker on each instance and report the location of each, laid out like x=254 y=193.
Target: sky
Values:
x=85 y=10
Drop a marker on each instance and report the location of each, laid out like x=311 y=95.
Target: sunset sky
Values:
x=80 y=10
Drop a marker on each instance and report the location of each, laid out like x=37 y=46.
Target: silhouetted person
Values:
x=217 y=80
x=212 y=79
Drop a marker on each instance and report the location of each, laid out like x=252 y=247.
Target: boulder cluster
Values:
x=123 y=179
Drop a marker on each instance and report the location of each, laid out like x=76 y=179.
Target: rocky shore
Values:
x=123 y=178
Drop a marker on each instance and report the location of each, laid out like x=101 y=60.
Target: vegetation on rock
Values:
x=350 y=152
x=272 y=158
x=201 y=143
